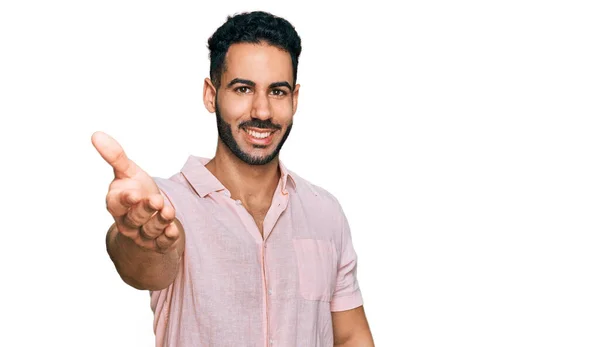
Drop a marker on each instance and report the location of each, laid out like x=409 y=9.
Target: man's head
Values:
x=252 y=86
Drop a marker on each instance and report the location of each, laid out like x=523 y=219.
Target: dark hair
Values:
x=252 y=27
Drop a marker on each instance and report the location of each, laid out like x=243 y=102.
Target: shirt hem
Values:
x=346 y=302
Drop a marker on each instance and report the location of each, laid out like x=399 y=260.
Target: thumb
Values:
x=112 y=152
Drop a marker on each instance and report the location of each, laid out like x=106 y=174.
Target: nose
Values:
x=261 y=107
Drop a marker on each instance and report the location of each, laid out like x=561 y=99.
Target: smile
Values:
x=259 y=136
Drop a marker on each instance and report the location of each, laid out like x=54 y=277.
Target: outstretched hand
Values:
x=135 y=201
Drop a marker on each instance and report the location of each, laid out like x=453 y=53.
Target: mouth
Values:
x=258 y=136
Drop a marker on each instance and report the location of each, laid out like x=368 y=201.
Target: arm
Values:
x=142 y=268
x=146 y=241
x=351 y=329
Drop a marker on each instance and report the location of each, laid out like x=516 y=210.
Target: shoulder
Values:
x=323 y=214
x=174 y=185
x=315 y=193
x=321 y=209
x=179 y=194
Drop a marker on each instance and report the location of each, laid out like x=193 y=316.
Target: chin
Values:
x=257 y=159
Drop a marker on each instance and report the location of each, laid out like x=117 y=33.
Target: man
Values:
x=237 y=250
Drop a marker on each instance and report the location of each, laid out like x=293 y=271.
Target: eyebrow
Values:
x=241 y=81
x=253 y=84
x=280 y=84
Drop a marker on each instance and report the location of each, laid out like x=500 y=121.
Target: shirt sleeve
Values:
x=347 y=293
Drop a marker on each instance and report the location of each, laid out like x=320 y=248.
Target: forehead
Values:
x=261 y=63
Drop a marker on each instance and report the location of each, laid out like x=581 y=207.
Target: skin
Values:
x=146 y=241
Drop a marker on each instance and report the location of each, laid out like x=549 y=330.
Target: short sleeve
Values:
x=347 y=293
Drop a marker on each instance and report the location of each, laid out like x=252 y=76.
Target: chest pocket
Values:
x=317 y=268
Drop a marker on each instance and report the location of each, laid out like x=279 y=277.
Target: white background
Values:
x=462 y=139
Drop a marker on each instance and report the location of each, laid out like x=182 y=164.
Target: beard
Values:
x=226 y=135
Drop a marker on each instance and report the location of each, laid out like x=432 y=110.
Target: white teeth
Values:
x=257 y=134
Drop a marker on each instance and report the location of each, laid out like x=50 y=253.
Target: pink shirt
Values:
x=234 y=288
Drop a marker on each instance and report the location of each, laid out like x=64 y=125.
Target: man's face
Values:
x=256 y=101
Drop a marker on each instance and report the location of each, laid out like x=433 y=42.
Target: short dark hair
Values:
x=252 y=27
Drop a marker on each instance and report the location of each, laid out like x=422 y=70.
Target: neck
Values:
x=252 y=184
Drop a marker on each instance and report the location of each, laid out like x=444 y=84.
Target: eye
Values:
x=243 y=90
x=278 y=92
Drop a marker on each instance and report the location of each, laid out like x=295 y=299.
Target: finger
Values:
x=112 y=152
x=164 y=241
x=118 y=203
x=157 y=224
x=173 y=231
x=141 y=212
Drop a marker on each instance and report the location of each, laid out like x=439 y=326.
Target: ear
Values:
x=210 y=95
x=295 y=98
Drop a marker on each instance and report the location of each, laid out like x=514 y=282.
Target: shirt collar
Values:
x=204 y=182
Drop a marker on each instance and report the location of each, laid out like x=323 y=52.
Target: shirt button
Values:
x=270 y=292
x=238 y=202
x=271 y=341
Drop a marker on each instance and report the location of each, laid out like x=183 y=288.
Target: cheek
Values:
x=284 y=111
x=233 y=108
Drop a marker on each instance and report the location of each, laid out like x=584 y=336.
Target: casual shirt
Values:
x=235 y=287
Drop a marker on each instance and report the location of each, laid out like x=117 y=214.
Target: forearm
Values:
x=363 y=339
x=351 y=328
x=141 y=268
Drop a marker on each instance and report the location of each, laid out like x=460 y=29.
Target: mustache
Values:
x=260 y=124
